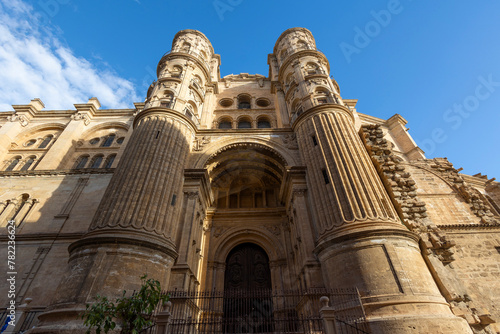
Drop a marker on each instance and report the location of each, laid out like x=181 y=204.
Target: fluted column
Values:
x=361 y=242
x=145 y=191
x=337 y=155
x=133 y=230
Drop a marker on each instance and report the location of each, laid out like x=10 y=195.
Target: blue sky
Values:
x=435 y=63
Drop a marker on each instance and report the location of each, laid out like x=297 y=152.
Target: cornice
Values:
x=320 y=108
x=469 y=227
x=55 y=172
x=38 y=237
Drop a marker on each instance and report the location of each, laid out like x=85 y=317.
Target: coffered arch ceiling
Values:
x=246 y=161
x=246 y=175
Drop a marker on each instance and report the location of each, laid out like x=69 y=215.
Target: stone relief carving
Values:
x=200 y=142
x=219 y=230
x=20 y=118
x=274 y=229
x=81 y=117
x=290 y=141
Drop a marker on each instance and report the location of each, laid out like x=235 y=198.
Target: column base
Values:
x=431 y=324
x=106 y=265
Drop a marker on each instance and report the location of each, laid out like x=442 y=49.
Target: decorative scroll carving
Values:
x=200 y=142
x=20 y=118
x=81 y=117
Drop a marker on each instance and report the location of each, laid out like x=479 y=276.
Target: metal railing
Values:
x=28 y=320
x=262 y=311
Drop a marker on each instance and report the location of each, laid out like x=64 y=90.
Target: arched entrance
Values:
x=247 y=268
x=247 y=291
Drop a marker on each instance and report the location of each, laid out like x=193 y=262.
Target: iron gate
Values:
x=263 y=311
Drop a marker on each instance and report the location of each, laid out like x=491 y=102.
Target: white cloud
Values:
x=34 y=63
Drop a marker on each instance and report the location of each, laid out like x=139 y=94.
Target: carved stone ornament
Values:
x=290 y=141
x=21 y=118
x=219 y=230
x=191 y=194
x=200 y=142
x=81 y=117
x=274 y=229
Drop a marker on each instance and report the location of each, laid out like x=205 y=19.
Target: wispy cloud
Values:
x=35 y=63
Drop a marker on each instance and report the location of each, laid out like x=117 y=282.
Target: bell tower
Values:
x=360 y=240
x=136 y=227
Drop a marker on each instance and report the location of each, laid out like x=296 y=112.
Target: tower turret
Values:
x=187 y=77
x=359 y=238
x=136 y=226
x=303 y=73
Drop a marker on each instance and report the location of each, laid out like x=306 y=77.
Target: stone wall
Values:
x=434 y=201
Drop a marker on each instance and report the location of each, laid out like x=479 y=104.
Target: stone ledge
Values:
x=58 y=172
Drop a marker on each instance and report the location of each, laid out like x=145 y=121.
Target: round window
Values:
x=262 y=102
x=226 y=102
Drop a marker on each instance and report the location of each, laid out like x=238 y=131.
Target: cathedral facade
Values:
x=245 y=182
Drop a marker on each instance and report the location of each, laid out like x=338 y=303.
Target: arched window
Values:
x=311 y=69
x=82 y=162
x=322 y=96
x=28 y=163
x=244 y=102
x=96 y=162
x=176 y=72
x=19 y=209
x=197 y=80
x=109 y=140
x=13 y=164
x=225 y=124
x=46 y=141
x=109 y=161
x=244 y=123
x=166 y=100
x=188 y=113
x=263 y=123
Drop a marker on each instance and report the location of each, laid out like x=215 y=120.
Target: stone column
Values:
x=133 y=230
x=7 y=212
x=361 y=242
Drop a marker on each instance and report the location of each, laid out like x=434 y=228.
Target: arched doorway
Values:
x=247 y=268
x=247 y=291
